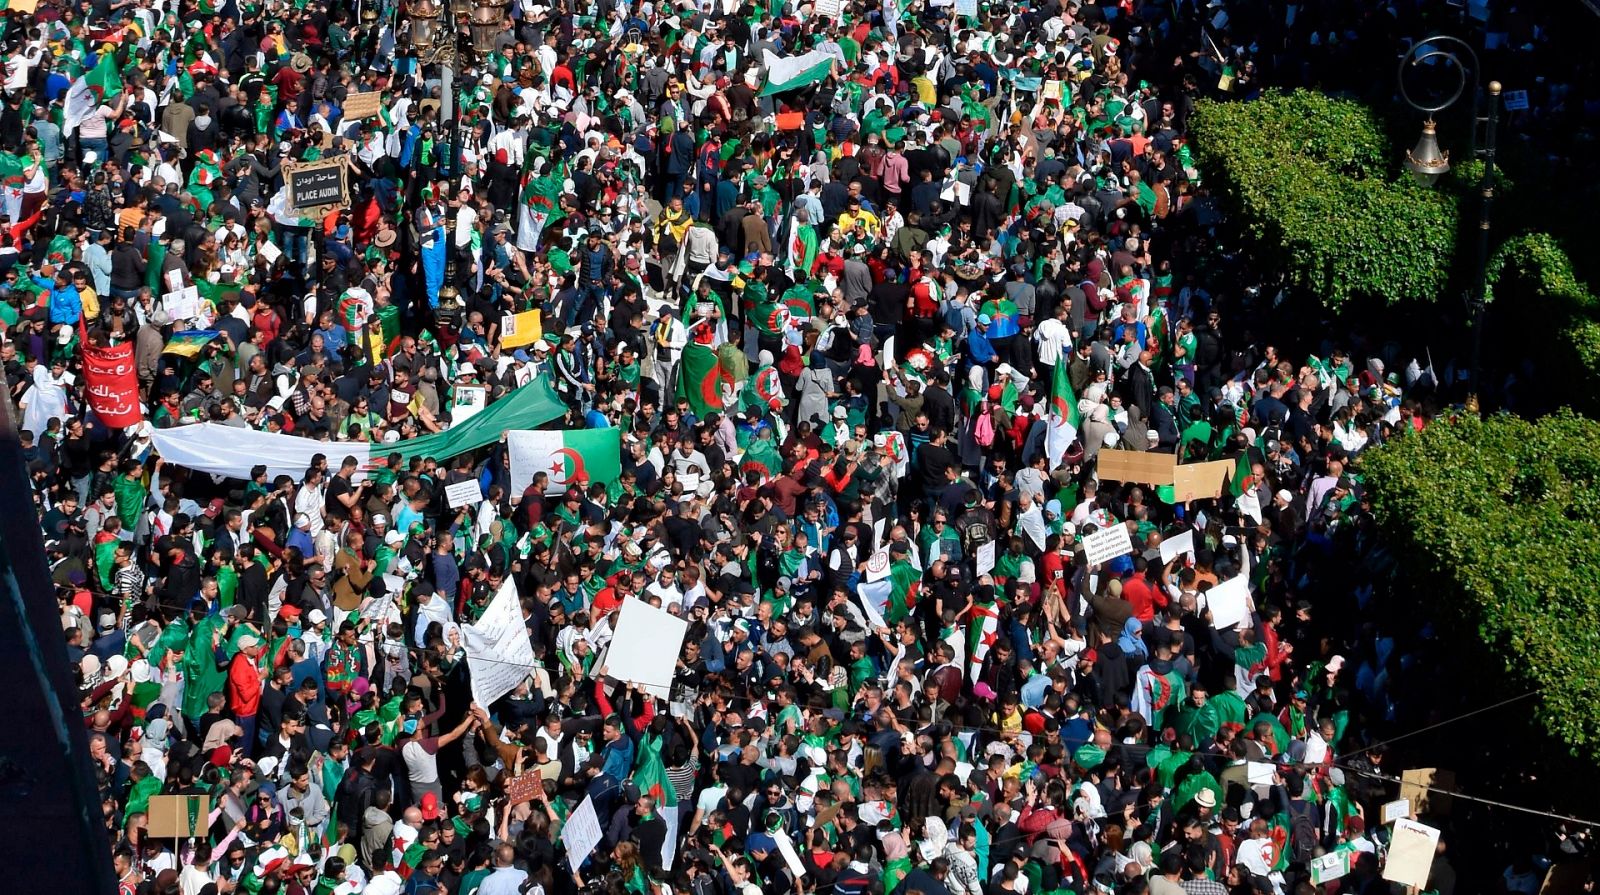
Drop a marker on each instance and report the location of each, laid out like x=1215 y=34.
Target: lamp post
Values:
x=1427 y=163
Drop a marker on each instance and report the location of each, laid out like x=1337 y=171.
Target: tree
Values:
x=1498 y=521
x=1308 y=178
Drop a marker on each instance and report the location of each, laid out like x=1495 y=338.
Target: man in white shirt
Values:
x=1054 y=338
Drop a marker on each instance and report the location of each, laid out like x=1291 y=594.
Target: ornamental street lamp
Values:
x=1427 y=163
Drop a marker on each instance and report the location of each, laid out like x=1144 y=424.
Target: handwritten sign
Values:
x=463 y=494
x=1516 y=100
x=525 y=787
x=581 y=834
x=111 y=385
x=1396 y=810
x=1107 y=544
x=499 y=653
x=986 y=558
x=183 y=304
x=968 y=8
x=1411 y=853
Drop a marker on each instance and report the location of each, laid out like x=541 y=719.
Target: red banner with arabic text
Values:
x=112 y=385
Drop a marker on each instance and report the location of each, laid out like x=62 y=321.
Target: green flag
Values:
x=700 y=378
x=1064 y=418
x=104 y=78
x=650 y=775
x=763 y=459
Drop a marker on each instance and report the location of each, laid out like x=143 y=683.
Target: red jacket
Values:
x=244 y=686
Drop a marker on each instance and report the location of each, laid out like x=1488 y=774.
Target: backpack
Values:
x=983 y=426
x=1303 y=837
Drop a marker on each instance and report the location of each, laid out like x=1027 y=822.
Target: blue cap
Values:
x=520 y=355
x=985 y=320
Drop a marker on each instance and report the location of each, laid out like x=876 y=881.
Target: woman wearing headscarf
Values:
x=816 y=388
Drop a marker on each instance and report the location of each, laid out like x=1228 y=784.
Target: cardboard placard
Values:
x=1411 y=853
x=1137 y=466
x=363 y=105
x=1200 y=481
x=1415 y=787
x=178 y=817
x=525 y=787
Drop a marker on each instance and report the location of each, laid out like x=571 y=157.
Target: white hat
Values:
x=1111 y=439
x=249 y=640
x=391 y=436
x=1285 y=495
x=316 y=616
x=393 y=537
x=139 y=670
x=116 y=666
x=268 y=766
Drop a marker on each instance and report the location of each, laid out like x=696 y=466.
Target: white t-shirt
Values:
x=422 y=766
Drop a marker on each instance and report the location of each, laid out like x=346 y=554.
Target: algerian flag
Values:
x=576 y=457
x=1063 y=417
x=794 y=72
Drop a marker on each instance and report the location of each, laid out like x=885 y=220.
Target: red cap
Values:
x=429 y=806
x=1088 y=655
x=289 y=611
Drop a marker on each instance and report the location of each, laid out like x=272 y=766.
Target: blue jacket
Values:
x=66 y=306
x=619 y=759
x=979 y=351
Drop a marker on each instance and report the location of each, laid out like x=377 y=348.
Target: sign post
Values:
x=316 y=188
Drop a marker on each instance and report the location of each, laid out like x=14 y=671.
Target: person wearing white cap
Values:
x=243 y=688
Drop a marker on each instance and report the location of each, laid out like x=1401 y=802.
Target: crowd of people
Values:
x=870 y=291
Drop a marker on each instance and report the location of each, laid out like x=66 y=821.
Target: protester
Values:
x=868 y=298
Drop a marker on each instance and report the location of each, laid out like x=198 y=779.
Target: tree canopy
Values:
x=1498 y=521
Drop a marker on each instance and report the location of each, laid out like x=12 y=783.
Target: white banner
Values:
x=227 y=451
x=645 y=647
x=1107 y=544
x=499 y=653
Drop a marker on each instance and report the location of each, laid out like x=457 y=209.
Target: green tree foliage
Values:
x=1534 y=273
x=1308 y=177
x=1498 y=521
